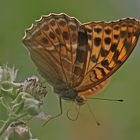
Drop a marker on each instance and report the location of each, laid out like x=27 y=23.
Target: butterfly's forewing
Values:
x=52 y=42
x=109 y=45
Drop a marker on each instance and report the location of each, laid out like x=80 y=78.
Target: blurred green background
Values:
x=119 y=121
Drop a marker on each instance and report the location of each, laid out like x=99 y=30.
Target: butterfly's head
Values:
x=80 y=100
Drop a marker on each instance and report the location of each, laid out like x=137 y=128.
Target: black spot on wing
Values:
x=127 y=44
x=116 y=27
x=113 y=47
x=107 y=31
x=105 y=63
x=65 y=35
x=102 y=71
x=116 y=36
x=62 y=23
x=57 y=31
x=97 y=41
x=107 y=40
x=97 y=30
x=130 y=25
x=116 y=55
x=123 y=34
x=52 y=22
x=94 y=73
x=104 y=52
x=119 y=62
x=89 y=30
x=51 y=35
x=94 y=59
x=45 y=40
x=123 y=25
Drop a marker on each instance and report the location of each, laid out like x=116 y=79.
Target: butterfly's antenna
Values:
x=120 y=100
x=73 y=119
x=93 y=115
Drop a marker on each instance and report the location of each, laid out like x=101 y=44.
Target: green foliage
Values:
x=22 y=101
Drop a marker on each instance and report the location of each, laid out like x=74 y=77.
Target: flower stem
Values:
x=5 y=126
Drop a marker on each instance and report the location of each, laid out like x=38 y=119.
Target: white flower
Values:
x=7 y=73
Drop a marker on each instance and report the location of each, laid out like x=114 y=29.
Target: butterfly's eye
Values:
x=80 y=100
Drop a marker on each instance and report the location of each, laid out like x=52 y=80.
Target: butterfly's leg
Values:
x=59 y=114
x=60 y=107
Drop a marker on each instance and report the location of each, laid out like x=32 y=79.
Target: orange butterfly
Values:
x=78 y=59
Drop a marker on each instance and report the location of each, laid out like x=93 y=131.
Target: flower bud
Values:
x=18 y=130
x=26 y=104
x=34 y=87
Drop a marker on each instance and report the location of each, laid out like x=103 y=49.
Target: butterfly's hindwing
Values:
x=55 y=39
x=95 y=89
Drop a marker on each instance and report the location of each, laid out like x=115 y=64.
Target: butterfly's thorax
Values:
x=66 y=92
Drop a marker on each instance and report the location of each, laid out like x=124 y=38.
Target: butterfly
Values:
x=78 y=59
